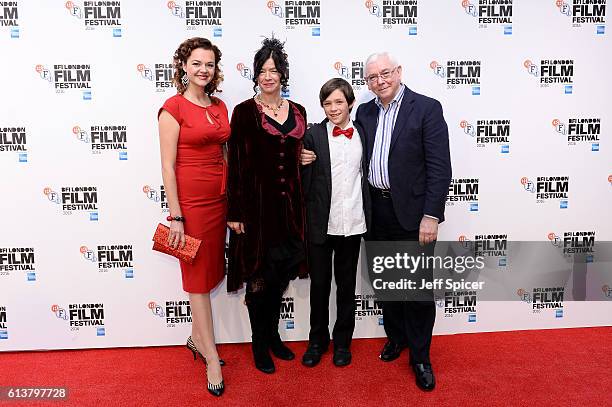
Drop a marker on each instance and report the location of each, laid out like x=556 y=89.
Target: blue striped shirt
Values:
x=379 y=163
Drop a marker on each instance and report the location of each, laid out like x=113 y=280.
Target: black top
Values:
x=287 y=126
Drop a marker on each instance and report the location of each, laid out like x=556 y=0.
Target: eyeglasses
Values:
x=384 y=75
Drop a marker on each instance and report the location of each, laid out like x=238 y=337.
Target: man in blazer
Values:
x=409 y=173
x=336 y=191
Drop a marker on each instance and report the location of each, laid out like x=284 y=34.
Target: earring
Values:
x=185 y=79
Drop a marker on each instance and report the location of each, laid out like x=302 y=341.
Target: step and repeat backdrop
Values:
x=525 y=88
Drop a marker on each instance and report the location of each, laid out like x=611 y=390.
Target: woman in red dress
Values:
x=193 y=126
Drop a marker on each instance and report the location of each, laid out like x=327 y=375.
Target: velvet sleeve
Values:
x=303 y=112
x=236 y=157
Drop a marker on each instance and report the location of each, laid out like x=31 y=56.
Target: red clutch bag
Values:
x=186 y=254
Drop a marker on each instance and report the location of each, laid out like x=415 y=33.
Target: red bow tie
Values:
x=348 y=133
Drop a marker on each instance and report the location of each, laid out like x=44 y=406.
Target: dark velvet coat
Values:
x=264 y=188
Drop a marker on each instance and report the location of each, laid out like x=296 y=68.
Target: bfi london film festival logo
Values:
x=367 y=307
x=492 y=246
x=457 y=303
x=353 y=73
x=9 y=17
x=544 y=298
x=18 y=259
x=104 y=138
x=491 y=13
x=244 y=71
x=579 y=242
x=82 y=199
x=159 y=74
x=581 y=130
x=158 y=196
x=199 y=14
x=65 y=77
x=4 y=334
x=585 y=13
x=287 y=312
x=297 y=14
x=97 y=14
x=395 y=13
x=13 y=140
x=553 y=72
x=459 y=74
x=174 y=313
x=247 y=73
x=606 y=289
x=82 y=316
x=489 y=132
x=548 y=189
x=111 y=257
x=463 y=191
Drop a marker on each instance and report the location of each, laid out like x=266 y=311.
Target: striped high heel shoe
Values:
x=214 y=389
x=191 y=346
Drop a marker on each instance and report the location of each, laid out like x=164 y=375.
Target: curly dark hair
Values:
x=272 y=48
x=182 y=54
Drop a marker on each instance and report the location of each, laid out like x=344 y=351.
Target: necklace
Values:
x=274 y=109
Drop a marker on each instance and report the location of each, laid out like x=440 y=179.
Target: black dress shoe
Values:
x=342 y=357
x=391 y=351
x=280 y=350
x=425 y=378
x=312 y=356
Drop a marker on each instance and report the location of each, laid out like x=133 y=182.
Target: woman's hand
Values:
x=307 y=157
x=237 y=227
x=176 y=237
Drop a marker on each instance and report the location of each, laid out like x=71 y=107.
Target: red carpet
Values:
x=540 y=368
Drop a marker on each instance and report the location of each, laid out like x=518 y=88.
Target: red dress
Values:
x=200 y=179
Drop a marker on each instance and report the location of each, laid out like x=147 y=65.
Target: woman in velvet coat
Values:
x=265 y=203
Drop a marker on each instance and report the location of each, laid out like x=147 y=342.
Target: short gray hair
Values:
x=378 y=55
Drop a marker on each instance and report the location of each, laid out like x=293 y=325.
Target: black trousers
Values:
x=408 y=323
x=345 y=253
x=264 y=291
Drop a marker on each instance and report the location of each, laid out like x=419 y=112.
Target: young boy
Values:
x=335 y=190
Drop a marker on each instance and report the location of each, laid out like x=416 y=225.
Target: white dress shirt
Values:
x=346 y=217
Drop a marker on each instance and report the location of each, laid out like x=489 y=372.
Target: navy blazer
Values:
x=419 y=157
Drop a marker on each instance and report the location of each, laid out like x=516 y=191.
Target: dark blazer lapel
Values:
x=402 y=116
x=370 y=123
x=324 y=156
